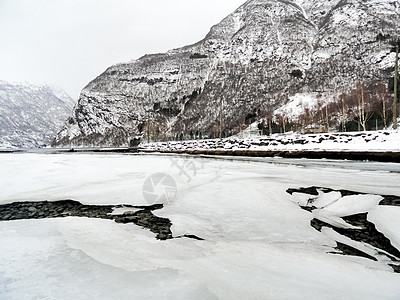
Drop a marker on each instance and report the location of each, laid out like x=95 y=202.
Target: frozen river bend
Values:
x=252 y=214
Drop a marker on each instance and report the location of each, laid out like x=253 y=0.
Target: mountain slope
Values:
x=259 y=58
x=31 y=115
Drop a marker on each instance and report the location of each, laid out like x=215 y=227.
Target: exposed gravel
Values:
x=143 y=217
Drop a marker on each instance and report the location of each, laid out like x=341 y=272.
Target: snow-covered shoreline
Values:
x=383 y=146
x=368 y=141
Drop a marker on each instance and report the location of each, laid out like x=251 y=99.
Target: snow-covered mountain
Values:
x=31 y=115
x=261 y=57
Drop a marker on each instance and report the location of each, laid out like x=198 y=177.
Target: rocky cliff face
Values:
x=265 y=55
x=31 y=115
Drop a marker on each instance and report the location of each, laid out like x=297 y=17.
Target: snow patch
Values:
x=297 y=104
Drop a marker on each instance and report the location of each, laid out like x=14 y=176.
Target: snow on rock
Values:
x=354 y=141
x=297 y=104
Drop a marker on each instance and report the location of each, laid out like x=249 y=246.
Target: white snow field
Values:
x=258 y=242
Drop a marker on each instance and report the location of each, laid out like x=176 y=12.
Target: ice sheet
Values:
x=258 y=243
x=387 y=221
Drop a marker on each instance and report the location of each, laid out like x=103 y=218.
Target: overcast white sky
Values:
x=69 y=42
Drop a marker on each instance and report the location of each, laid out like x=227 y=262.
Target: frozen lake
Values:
x=258 y=242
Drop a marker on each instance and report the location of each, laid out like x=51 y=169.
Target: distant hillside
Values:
x=31 y=115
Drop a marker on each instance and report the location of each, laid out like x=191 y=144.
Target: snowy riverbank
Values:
x=377 y=141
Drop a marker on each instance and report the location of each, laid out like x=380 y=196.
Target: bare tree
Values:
x=340 y=107
x=327 y=118
x=363 y=112
x=396 y=75
x=220 y=116
x=383 y=103
x=319 y=116
x=270 y=125
x=344 y=115
x=306 y=116
x=148 y=125
x=215 y=131
x=283 y=118
x=280 y=118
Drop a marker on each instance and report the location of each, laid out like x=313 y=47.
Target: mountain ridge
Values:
x=254 y=62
